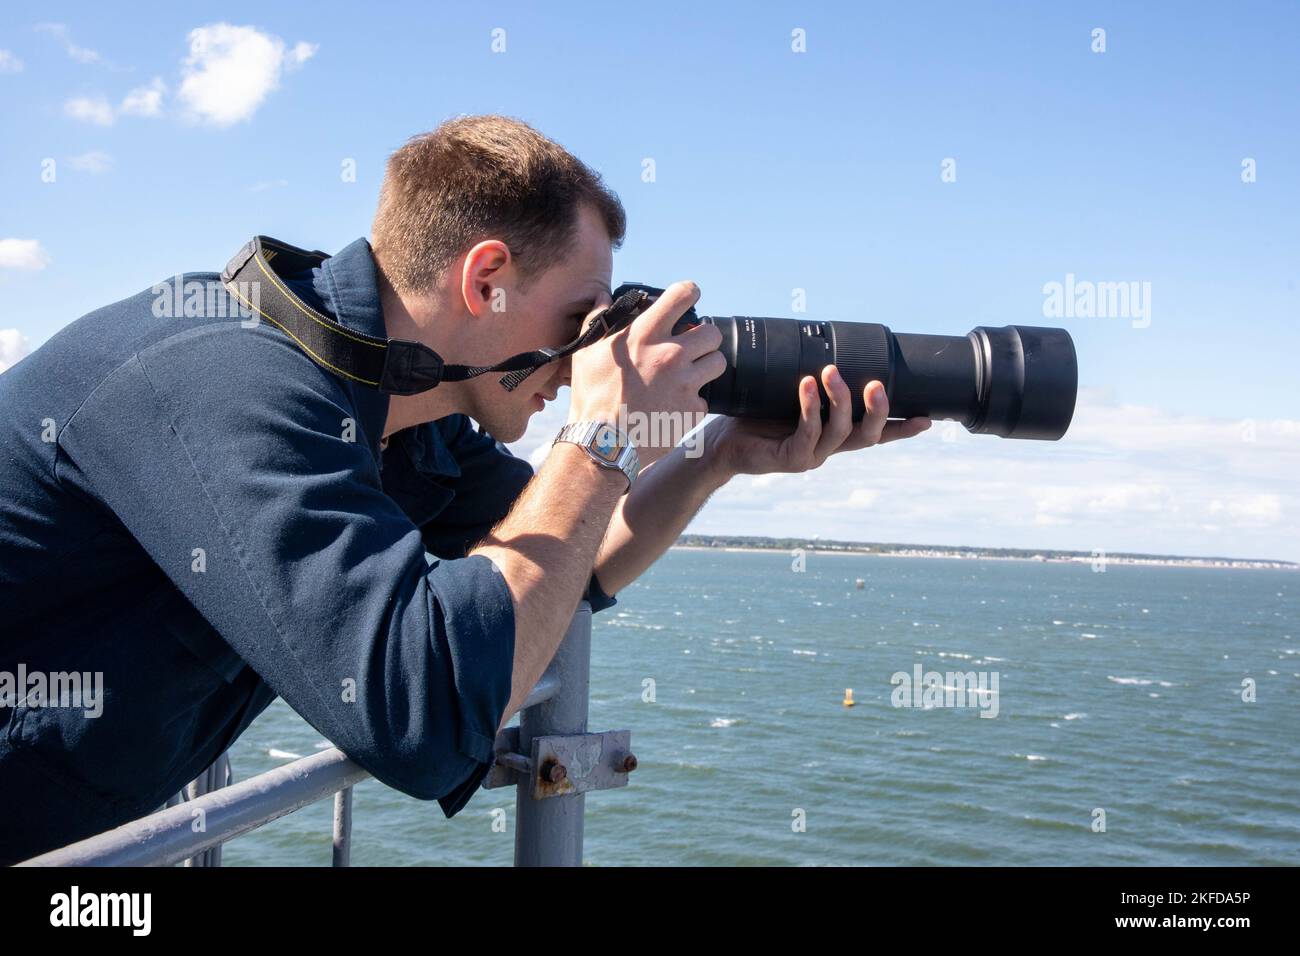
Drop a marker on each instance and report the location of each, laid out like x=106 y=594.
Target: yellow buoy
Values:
x=848 y=697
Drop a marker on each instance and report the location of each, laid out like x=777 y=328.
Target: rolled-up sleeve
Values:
x=235 y=467
x=472 y=611
x=595 y=595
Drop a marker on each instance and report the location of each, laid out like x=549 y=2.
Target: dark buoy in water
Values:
x=859 y=584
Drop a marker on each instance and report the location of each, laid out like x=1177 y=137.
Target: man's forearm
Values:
x=653 y=514
x=545 y=549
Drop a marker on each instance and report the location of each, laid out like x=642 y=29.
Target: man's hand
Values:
x=749 y=447
x=644 y=370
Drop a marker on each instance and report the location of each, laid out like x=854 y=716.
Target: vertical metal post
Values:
x=217 y=775
x=549 y=832
x=343 y=827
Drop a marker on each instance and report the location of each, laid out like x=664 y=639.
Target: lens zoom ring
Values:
x=862 y=352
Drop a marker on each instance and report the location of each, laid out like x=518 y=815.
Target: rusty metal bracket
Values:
x=564 y=764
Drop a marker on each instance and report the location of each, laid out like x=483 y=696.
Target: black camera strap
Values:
x=394 y=366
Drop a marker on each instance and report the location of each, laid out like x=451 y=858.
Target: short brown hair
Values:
x=483 y=177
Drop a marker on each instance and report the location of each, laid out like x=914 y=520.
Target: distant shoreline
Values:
x=921 y=551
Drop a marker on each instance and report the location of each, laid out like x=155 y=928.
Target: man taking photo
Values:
x=195 y=507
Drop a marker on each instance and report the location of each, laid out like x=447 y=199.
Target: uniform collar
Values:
x=347 y=284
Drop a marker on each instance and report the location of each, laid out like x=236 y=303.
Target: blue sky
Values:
x=774 y=170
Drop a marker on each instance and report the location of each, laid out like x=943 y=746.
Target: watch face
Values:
x=605 y=444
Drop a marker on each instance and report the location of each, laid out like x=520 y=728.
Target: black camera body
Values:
x=1016 y=381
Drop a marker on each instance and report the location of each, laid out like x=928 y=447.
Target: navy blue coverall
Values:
x=193 y=508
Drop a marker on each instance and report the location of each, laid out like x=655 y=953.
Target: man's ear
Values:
x=484 y=276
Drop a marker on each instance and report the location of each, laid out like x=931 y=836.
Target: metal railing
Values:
x=550 y=758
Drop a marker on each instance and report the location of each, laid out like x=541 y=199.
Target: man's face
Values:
x=550 y=311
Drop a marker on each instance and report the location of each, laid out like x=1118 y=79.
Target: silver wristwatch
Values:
x=605 y=444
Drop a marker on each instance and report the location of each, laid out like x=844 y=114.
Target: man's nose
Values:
x=566 y=371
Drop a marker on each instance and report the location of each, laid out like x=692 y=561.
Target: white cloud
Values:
x=95 y=110
x=300 y=54
x=231 y=70
x=13 y=347
x=1056 y=502
x=145 y=100
x=94 y=161
x=863 y=498
x=142 y=101
x=1126 y=478
x=1251 y=509
x=25 y=254
x=79 y=53
x=10 y=63
x=229 y=73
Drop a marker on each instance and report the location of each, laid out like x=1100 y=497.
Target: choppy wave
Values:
x=1189 y=778
x=1140 y=681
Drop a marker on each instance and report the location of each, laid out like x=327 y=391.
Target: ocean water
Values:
x=1118 y=693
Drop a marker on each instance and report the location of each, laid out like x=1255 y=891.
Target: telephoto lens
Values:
x=1016 y=381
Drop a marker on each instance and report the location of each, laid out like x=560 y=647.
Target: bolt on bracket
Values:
x=562 y=764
